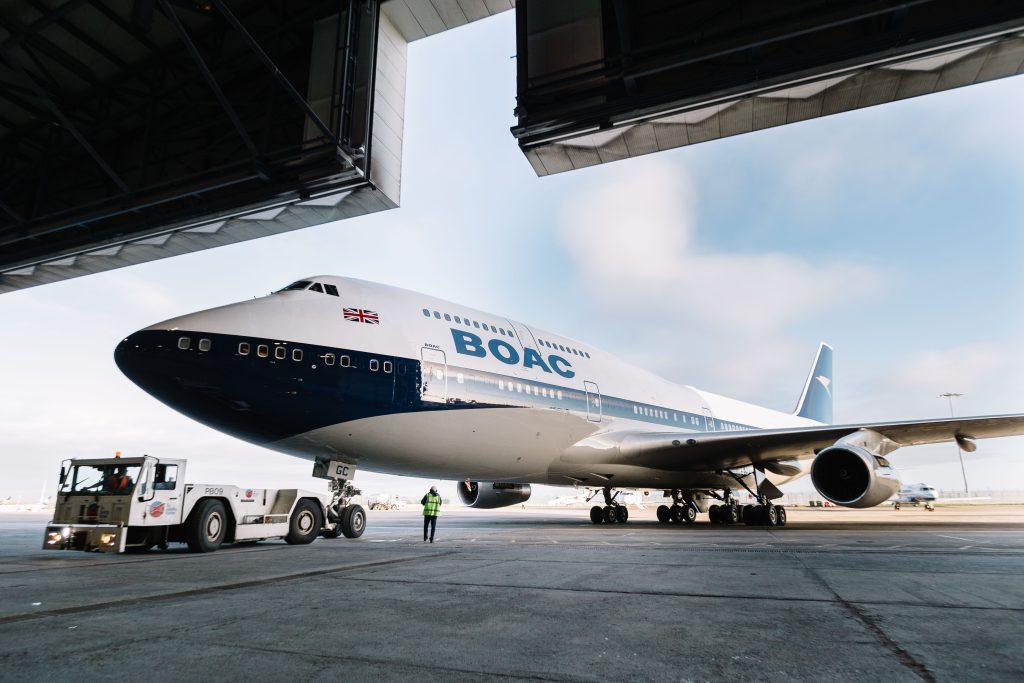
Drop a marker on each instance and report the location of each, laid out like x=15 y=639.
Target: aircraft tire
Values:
x=689 y=514
x=597 y=514
x=304 y=525
x=749 y=515
x=758 y=516
x=205 y=529
x=715 y=514
x=771 y=515
x=677 y=514
x=782 y=515
x=731 y=514
x=609 y=514
x=621 y=514
x=664 y=514
x=353 y=521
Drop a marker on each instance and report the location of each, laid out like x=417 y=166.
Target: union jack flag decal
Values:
x=361 y=315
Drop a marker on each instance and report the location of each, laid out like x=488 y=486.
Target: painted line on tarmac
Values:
x=959 y=538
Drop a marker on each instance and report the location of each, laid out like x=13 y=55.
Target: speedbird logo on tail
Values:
x=825 y=382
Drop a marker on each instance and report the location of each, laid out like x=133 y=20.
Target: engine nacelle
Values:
x=853 y=476
x=492 y=494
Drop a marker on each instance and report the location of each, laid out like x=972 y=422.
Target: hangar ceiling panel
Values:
x=129 y=127
x=601 y=80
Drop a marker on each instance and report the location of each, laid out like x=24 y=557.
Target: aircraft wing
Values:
x=709 y=451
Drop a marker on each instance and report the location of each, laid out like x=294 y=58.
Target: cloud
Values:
x=988 y=374
x=632 y=237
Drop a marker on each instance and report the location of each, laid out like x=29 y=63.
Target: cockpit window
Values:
x=301 y=284
x=317 y=288
x=331 y=289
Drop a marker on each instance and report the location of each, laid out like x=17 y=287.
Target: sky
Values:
x=895 y=233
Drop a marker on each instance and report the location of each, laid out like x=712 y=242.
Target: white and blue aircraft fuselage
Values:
x=333 y=368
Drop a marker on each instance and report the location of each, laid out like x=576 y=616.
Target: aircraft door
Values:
x=709 y=419
x=434 y=374
x=593 y=401
x=524 y=334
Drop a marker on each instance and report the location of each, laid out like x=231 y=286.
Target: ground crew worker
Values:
x=431 y=509
x=119 y=481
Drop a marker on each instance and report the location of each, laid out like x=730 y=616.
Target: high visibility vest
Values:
x=432 y=508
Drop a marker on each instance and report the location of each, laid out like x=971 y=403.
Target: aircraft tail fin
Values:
x=816 y=400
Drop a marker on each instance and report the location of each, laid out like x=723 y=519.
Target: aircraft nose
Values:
x=232 y=383
x=185 y=371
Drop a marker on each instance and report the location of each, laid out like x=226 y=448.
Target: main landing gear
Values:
x=613 y=511
x=343 y=517
x=683 y=510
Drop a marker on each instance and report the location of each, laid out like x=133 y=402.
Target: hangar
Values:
x=132 y=130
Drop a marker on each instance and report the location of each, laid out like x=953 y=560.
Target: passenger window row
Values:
x=520 y=388
x=460 y=320
x=280 y=353
x=566 y=349
x=185 y=343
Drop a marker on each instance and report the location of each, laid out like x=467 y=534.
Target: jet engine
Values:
x=492 y=494
x=853 y=476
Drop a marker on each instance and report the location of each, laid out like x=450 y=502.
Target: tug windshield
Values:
x=101 y=479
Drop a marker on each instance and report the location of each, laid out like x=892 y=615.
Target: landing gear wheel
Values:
x=689 y=514
x=597 y=514
x=677 y=514
x=731 y=514
x=771 y=515
x=664 y=514
x=609 y=515
x=206 y=525
x=714 y=514
x=353 y=521
x=749 y=515
x=621 y=514
x=782 y=515
x=304 y=526
x=757 y=516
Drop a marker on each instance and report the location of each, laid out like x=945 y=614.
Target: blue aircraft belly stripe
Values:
x=265 y=399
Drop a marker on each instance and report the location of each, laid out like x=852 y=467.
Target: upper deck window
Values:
x=301 y=284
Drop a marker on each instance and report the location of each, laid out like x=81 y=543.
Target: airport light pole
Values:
x=959 y=451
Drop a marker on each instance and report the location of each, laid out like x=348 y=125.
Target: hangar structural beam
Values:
x=132 y=130
x=601 y=80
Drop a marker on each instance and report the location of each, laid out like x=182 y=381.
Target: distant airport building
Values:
x=132 y=130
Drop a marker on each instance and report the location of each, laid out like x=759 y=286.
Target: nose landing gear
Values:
x=343 y=517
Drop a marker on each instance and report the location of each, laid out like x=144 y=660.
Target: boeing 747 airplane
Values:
x=349 y=373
